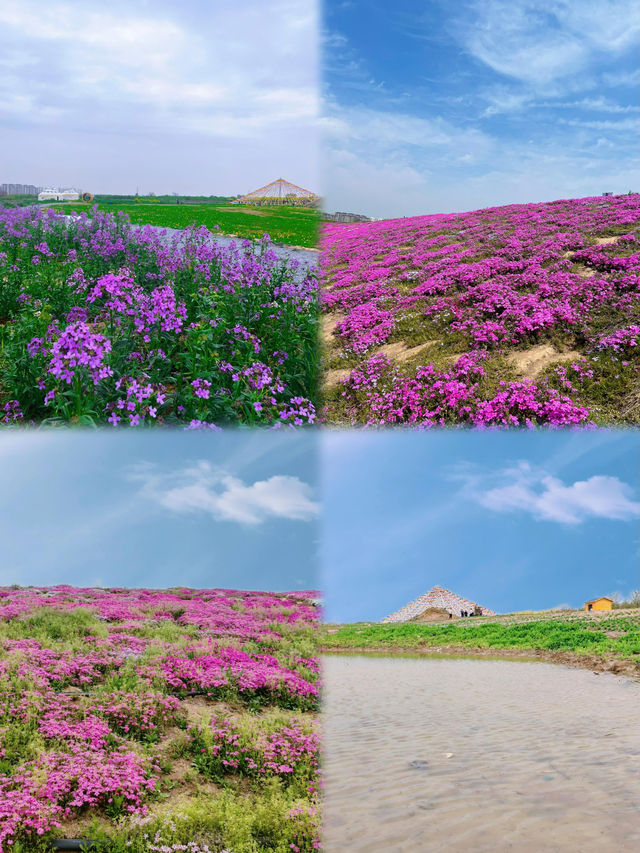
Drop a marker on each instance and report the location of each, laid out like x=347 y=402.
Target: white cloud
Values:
x=161 y=80
x=538 y=42
x=545 y=497
x=201 y=488
x=386 y=164
x=379 y=181
x=597 y=104
x=391 y=130
x=418 y=146
x=124 y=55
x=622 y=126
x=621 y=79
x=334 y=40
x=503 y=101
x=136 y=40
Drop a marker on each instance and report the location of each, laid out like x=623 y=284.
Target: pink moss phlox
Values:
x=499 y=277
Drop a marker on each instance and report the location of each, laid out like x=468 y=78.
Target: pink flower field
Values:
x=511 y=316
x=158 y=720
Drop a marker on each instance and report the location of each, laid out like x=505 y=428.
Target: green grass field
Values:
x=294 y=226
x=608 y=635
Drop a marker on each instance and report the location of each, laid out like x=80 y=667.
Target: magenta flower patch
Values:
x=487 y=308
x=100 y=691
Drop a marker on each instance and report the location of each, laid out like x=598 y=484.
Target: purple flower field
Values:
x=146 y=717
x=512 y=316
x=102 y=323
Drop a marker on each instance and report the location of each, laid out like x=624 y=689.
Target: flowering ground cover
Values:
x=510 y=316
x=101 y=323
x=294 y=226
x=158 y=720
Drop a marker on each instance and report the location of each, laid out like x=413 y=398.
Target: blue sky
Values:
x=196 y=97
x=436 y=106
x=159 y=509
x=512 y=520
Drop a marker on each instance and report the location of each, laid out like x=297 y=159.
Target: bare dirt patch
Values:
x=184 y=794
x=179 y=769
x=584 y=271
x=601 y=241
x=329 y=323
x=401 y=352
x=80 y=827
x=453 y=357
x=530 y=363
x=332 y=378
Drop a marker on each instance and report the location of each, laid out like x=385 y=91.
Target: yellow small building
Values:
x=599 y=604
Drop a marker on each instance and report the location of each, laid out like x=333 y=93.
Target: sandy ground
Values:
x=428 y=755
x=531 y=362
x=596 y=663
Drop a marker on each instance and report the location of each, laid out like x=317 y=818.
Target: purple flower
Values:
x=79 y=347
x=201 y=388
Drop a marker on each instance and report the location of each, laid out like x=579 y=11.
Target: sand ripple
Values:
x=476 y=755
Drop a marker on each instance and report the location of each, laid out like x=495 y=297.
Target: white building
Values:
x=58 y=195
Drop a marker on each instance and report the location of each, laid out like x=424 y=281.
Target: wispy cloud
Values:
x=529 y=490
x=202 y=488
x=503 y=101
x=416 y=166
x=539 y=42
x=496 y=102
x=391 y=130
x=622 y=126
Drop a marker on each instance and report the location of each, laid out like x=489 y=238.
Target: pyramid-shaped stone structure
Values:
x=436 y=598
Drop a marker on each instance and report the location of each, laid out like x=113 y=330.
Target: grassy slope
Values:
x=611 y=635
x=294 y=226
x=233 y=812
